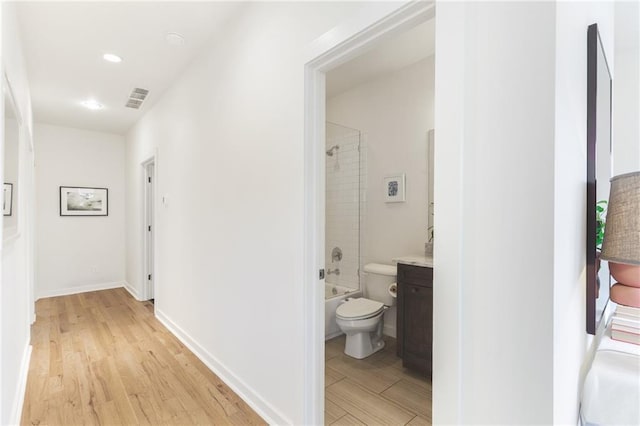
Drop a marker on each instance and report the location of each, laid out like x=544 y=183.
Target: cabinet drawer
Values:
x=417 y=275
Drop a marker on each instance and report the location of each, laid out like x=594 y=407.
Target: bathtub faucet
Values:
x=333 y=271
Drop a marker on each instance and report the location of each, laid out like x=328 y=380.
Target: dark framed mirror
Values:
x=599 y=171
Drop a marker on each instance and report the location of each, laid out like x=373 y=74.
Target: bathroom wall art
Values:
x=394 y=188
x=7 y=201
x=80 y=201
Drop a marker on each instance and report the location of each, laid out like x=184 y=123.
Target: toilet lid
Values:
x=359 y=308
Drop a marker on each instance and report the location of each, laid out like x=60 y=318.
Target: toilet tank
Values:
x=377 y=282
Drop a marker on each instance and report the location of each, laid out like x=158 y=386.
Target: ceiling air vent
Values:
x=136 y=98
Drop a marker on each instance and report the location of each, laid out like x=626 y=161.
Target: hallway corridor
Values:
x=103 y=358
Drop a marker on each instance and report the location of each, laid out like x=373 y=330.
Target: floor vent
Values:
x=136 y=98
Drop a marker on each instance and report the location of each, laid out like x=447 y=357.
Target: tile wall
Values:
x=345 y=179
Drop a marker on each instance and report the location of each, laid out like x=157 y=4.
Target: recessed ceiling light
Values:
x=110 y=57
x=92 y=104
x=174 y=39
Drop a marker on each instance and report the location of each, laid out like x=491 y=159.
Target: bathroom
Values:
x=378 y=213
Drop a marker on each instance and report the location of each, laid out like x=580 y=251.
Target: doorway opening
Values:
x=149 y=229
x=322 y=258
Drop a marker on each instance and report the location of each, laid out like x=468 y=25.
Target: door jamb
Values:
x=145 y=294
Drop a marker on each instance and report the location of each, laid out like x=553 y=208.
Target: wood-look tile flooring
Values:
x=103 y=358
x=373 y=391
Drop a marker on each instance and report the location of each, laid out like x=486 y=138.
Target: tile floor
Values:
x=375 y=390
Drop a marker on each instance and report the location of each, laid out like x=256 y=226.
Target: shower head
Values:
x=333 y=149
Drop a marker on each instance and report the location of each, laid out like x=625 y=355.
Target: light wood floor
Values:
x=103 y=358
x=375 y=390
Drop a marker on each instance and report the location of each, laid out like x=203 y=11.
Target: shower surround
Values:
x=345 y=178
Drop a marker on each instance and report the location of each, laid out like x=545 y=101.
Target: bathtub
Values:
x=333 y=297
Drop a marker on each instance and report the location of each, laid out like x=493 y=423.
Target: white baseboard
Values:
x=244 y=391
x=79 y=289
x=132 y=291
x=18 y=402
x=332 y=335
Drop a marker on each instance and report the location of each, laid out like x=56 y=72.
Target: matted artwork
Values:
x=7 y=200
x=79 y=201
x=394 y=188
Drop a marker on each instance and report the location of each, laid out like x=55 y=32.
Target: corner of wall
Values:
x=79 y=289
x=132 y=290
x=265 y=410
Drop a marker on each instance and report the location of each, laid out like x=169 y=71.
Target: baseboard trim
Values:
x=244 y=391
x=332 y=335
x=132 y=291
x=79 y=289
x=21 y=388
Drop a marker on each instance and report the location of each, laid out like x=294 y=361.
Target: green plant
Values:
x=601 y=215
x=430 y=229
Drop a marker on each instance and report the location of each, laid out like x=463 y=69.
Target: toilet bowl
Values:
x=362 y=319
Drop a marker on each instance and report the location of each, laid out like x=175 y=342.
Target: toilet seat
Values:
x=360 y=308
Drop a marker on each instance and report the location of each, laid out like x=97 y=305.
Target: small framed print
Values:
x=7 y=201
x=79 y=201
x=394 y=188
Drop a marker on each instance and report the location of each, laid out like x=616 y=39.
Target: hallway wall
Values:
x=77 y=254
x=16 y=265
x=229 y=141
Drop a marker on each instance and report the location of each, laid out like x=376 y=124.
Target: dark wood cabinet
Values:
x=415 y=317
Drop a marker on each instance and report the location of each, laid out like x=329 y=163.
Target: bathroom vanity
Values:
x=415 y=313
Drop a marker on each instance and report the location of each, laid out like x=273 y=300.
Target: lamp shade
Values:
x=622 y=230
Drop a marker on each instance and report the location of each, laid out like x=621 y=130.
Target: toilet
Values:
x=361 y=319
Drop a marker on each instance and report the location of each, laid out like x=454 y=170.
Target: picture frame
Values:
x=84 y=201
x=394 y=188
x=7 y=201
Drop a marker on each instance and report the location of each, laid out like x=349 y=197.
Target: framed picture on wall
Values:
x=80 y=201
x=7 y=201
x=394 y=188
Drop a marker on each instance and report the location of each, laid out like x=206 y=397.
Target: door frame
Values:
x=149 y=209
x=373 y=24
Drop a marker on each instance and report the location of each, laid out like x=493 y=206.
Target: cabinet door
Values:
x=418 y=327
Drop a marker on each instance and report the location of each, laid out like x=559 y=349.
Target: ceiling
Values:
x=390 y=55
x=63 y=43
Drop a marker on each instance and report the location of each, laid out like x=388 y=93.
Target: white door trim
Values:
x=376 y=22
x=146 y=292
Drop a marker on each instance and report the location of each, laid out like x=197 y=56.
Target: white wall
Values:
x=394 y=112
x=510 y=210
x=626 y=89
x=75 y=253
x=16 y=303
x=11 y=170
x=229 y=140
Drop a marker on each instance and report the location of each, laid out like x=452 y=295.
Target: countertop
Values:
x=426 y=262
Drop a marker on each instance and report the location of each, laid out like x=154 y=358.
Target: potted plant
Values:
x=601 y=215
x=428 y=246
